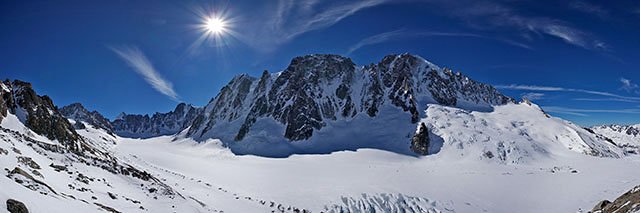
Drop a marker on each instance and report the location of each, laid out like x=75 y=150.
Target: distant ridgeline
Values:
x=324 y=103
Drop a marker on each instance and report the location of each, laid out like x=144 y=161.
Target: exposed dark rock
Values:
x=58 y=168
x=28 y=162
x=112 y=196
x=107 y=208
x=420 y=141
x=628 y=202
x=15 y=206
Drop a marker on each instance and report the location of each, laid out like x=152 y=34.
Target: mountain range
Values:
x=319 y=104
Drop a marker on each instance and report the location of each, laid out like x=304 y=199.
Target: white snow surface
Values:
x=512 y=133
x=318 y=182
x=538 y=164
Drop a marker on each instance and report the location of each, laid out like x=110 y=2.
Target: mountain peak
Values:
x=78 y=113
x=37 y=113
x=315 y=91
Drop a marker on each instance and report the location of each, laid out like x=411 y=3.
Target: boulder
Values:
x=15 y=206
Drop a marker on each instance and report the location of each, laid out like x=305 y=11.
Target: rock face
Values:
x=78 y=113
x=315 y=91
x=38 y=113
x=145 y=126
x=628 y=202
x=420 y=141
x=15 y=206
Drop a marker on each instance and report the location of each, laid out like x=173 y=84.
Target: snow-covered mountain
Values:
x=294 y=111
x=145 y=126
x=77 y=112
x=626 y=136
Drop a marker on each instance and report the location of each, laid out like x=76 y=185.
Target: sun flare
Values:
x=215 y=25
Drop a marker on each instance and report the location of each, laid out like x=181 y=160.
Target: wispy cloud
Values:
x=489 y=15
x=291 y=18
x=629 y=86
x=403 y=34
x=607 y=100
x=140 y=64
x=561 y=89
x=532 y=96
x=583 y=112
x=589 y=8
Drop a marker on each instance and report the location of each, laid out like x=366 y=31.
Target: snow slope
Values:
x=188 y=176
x=512 y=133
x=367 y=176
x=46 y=177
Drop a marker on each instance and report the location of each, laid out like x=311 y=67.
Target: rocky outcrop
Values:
x=78 y=113
x=628 y=202
x=38 y=113
x=14 y=206
x=145 y=126
x=420 y=141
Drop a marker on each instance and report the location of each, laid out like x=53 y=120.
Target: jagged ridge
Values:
x=316 y=90
x=145 y=126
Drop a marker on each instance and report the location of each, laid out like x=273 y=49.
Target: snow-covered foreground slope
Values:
x=46 y=177
x=186 y=176
x=318 y=182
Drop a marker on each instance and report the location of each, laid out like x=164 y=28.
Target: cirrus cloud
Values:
x=134 y=57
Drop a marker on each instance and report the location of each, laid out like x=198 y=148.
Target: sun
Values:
x=216 y=28
x=215 y=25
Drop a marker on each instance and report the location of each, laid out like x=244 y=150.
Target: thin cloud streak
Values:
x=581 y=112
x=589 y=8
x=401 y=33
x=607 y=100
x=292 y=18
x=533 y=96
x=140 y=64
x=487 y=15
x=561 y=89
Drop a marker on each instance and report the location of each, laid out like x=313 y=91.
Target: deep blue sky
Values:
x=577 y=59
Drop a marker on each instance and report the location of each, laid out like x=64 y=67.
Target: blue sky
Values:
x=577 y=59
